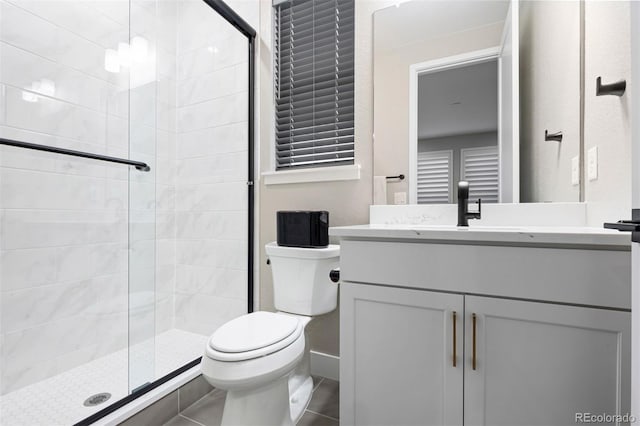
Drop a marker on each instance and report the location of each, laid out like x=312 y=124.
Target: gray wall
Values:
x=549 y=99
x=551 y=96
x=607 y=121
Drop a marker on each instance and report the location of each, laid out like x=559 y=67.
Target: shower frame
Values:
x=249 y=32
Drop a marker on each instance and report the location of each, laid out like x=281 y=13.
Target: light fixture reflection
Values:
x=127 y=54
x=29 y=96
x=124 y=54
x=43 y=86
x=111 y=62
x=139 y=49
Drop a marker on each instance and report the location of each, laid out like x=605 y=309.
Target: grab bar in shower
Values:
x=143 y=167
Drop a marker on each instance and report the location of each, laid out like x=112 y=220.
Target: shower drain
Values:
x=97 y=399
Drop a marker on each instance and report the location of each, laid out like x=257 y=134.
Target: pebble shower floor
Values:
x=59 y=400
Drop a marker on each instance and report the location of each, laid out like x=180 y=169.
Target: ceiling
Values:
x=417 y=21
x=458 y=101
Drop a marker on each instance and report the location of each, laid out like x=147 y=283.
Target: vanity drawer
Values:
x=562 y=275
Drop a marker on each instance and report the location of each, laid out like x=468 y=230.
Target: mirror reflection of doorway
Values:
x=458 y=133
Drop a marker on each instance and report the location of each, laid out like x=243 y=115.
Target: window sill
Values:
x=318 y=174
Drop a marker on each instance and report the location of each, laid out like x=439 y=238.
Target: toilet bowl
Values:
x=262 y=359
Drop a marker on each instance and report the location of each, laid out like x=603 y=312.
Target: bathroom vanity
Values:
x=442 y=325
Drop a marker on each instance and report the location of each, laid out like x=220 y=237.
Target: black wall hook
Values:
x=552 y=136
x=616 y=89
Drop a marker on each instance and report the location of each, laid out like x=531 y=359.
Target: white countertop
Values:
x=510 y=235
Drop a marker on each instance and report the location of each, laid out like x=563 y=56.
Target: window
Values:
x=435 y=177
x=479 y=167
x=314 y=84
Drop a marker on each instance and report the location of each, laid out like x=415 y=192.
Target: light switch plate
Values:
x=592 y=163
x=400 y=198
x=575 y=171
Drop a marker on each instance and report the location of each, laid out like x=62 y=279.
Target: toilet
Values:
x=262 y=359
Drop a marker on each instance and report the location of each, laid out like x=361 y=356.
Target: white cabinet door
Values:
x=540 y=364
x=397 y=348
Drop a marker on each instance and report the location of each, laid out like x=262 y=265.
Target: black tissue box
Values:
x=303 y=229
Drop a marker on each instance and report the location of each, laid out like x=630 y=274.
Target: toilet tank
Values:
x=301 y=283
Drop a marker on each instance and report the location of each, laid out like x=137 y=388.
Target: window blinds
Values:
x=314 y=84
x=479 y=167
x=435 y=177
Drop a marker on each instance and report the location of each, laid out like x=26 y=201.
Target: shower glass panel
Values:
x=111 y=277
x=143 y=59
x=64 y=284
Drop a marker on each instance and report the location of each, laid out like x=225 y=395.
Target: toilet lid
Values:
x=253 y=331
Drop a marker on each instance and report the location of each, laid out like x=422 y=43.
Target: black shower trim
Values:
x=134 y=395
x=247 y=30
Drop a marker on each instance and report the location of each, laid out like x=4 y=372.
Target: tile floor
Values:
x=323 y=409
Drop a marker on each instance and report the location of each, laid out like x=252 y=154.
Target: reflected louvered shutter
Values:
x=435 y=177
x=479 y=167
x=314 y=84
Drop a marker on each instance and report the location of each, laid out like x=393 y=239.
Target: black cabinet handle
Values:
x=473 y=350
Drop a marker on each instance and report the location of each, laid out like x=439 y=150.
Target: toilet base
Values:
x=299 y=400
x=264 y=406
x=301 y=383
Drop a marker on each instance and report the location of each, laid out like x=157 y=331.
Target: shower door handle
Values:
x=139 y=165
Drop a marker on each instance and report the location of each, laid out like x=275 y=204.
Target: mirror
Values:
x=466 y=90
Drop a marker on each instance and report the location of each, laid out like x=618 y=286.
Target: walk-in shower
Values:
x=126 y=197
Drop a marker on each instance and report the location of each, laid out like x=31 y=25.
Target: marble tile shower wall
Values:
x=64 y=222
x=211 y=168
x=166 y=136
x=67 y=278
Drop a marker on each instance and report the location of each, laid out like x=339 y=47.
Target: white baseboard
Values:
x=325 y=365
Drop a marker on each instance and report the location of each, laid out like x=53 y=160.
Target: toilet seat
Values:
x=253 y=335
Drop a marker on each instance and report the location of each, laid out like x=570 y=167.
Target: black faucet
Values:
x=463 y=205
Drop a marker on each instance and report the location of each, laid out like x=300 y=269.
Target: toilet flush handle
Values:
x=334 y=275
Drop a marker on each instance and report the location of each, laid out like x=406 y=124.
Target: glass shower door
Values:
x=144 y=131
x=211 y=170
x=113 y=277
x=189 y=216
x=64 y=237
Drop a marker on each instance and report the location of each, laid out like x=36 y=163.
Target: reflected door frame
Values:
x=428 y=67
